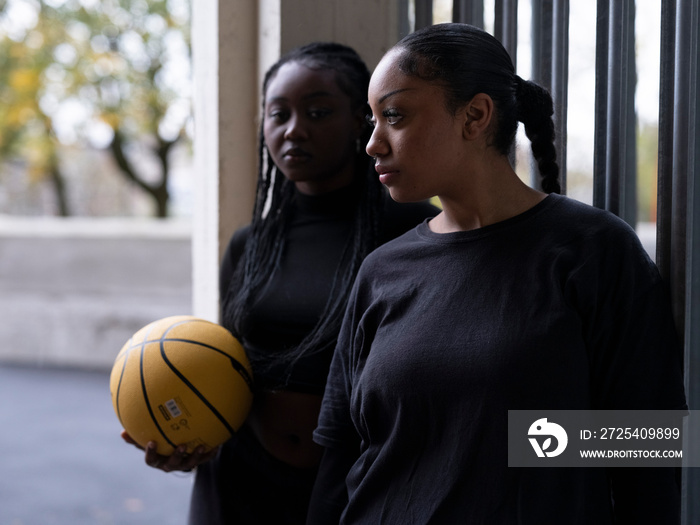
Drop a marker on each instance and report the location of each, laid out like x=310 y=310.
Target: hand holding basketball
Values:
x=183 y=383
x=179 y=460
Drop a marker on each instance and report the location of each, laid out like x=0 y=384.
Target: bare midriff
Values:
x=283 y=422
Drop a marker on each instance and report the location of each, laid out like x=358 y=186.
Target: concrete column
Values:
x=224 y=45
x=234 y=42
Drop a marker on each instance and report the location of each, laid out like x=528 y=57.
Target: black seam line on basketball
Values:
x=187 y=382
x=145 y=396
x=130 y=348
x=164 y=338
x=234 y=362
x=237 y=365
x=119 y=387
x=127 y=352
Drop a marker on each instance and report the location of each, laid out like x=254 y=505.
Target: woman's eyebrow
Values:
x=391 y=93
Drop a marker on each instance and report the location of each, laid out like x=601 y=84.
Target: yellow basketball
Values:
x=181 y=381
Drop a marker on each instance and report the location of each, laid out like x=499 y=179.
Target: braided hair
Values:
x=465 y=60
x=272 y=213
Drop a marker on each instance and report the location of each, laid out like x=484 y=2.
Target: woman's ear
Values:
x=477 y=114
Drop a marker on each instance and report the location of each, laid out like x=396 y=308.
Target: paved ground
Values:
x=62 y=461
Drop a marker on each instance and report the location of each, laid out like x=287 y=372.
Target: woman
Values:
x=509 y=299
x=285 y=280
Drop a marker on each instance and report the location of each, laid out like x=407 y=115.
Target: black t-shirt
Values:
x=292 y=302
x=557 y=308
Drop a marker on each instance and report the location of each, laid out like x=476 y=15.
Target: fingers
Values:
x=155 y=460
x=179 y=460
x=126 y=437
x=199 y=456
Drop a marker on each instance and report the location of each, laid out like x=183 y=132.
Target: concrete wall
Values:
x=73 y=291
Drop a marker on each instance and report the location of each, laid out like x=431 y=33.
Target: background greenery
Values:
x=97 y=86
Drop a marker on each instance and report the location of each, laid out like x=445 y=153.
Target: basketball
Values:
x=181 y=380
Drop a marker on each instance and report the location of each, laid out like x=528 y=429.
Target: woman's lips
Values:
x=294 y=155
x=386 y=174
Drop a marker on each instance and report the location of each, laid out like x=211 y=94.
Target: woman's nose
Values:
x=376 y=147
x=295 y=129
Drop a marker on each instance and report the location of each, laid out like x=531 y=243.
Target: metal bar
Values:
x=542 y=24
x=601 y=102
x=629 y=190
x=615 y=160
x=560 y=82
x=424 y=13
x=664 y=204
x=689 y=37
x=506 y=26
x=617 y=170
x=679 y=185
x=468 y=12
x=404 y=19
x=692 y=313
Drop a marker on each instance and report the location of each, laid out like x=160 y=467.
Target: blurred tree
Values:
x=25 y=129
x=110 y=73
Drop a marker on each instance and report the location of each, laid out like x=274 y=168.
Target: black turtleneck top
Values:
x=290 y=305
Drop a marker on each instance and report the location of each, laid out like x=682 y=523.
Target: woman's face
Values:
x=417 y=144
x=310 y=128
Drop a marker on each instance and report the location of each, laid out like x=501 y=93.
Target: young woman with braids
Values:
x=285 y=281
x=509 y=299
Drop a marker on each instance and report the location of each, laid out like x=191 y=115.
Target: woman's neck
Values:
x=319 y=186
x=486 y=197
x=337 y=202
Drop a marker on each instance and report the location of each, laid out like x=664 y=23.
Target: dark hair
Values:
x=465 y=60
x=272 y=211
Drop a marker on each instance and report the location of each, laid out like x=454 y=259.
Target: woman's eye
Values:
x=278 y=115
x=392 y=116
x=319 y=113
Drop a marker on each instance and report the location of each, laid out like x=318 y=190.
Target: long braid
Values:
x=535 y=109
x=260 y=258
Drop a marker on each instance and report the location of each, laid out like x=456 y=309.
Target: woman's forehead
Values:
x=388 y=79
x=296 y=77
x=386 y=71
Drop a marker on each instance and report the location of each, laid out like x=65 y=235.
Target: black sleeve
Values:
x=330 y=495
x=636 y=364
